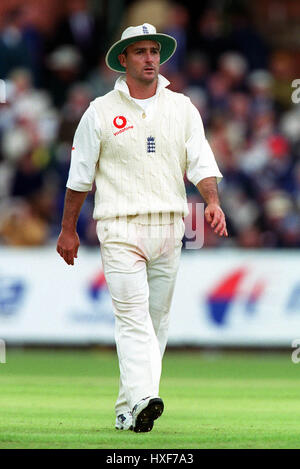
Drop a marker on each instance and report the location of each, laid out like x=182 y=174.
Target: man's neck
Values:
x=141 y=90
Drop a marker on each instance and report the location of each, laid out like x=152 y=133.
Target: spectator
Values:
x=209 y=37
x=14 y=50
x=246 y=40
x=101 y=79
x=20 y=226
x=78 y=101
x=233 y=68
x=197 y=70
x=241 y=87
x=283 y=72
x=260 y=88
x=177 y=27
x=63 y=70
x=82 y=30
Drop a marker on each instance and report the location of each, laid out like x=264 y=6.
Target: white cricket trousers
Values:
x=140 y=264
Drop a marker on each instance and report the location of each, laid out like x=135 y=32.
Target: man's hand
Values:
x=68 y=240
x=67 y=246
x=215 y=216
x=213 y=212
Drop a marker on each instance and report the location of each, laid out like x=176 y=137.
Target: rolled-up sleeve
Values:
x=201 y=162
x=85 y=152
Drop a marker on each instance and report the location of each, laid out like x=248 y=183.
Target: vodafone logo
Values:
x=120 y=122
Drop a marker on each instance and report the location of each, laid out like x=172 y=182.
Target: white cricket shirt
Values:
x=201 y=162
x=136 y=172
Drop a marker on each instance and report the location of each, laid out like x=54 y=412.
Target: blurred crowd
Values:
x=241 y=86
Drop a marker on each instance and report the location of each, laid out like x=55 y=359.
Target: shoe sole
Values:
x=145 y=419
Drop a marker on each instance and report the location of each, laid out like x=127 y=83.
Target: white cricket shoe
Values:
x=124 y=421
x=145 y=412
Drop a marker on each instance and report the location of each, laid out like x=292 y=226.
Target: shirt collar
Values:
x=121 y=84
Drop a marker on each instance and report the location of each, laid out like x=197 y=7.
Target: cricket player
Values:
x=137 y=142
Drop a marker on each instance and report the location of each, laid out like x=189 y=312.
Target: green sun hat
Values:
x=144 y=32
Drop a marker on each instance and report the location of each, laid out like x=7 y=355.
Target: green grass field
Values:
x=65 y=399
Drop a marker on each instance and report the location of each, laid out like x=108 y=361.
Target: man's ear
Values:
x=122 y=59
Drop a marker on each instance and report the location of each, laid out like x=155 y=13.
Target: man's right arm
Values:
x=68 y=240
x=85 y=154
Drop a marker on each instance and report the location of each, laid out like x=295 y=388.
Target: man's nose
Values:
x=149 y=57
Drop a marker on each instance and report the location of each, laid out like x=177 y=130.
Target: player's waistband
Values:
x=156 y=218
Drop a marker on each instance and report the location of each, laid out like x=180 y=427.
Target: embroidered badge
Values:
x=145 y=30
x=150 y=145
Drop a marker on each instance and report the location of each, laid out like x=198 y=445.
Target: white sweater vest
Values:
x=142 y=162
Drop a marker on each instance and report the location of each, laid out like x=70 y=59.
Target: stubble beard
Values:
x=140 y=77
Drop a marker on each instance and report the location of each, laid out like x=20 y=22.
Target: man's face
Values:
x=141 y=60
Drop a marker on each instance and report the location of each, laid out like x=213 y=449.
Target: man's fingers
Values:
x=218 y=223
x=216 y=219
x=208 y=215
x=59 y=250
x=67 y=246
x=67 y=255
x=222 y=232
x=221 y=228
x=215 y=222
x=70 y=259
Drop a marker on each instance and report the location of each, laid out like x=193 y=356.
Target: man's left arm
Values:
x=202 y=170
x=213 y=212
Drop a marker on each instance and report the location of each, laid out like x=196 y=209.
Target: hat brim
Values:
x=168 y=46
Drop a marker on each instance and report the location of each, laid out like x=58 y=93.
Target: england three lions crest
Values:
x=151 y=144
